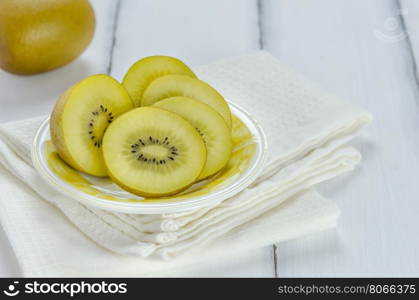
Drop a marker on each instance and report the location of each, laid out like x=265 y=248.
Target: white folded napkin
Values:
x=306 y=130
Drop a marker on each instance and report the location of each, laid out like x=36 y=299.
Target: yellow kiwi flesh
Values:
x=80 y=118
x=152 y=152
x=179 y=85
x=210 y=125
x=144 y=71
x=242 y=155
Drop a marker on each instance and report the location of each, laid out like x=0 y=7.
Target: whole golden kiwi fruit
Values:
x=40 y=35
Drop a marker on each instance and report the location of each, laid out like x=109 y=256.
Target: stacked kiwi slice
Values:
x=154 y=135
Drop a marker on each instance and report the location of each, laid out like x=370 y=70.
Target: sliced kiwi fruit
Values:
x=152 y=152
x=210 y=125
x=80 y=118
x=144 y=71
x=179 y=85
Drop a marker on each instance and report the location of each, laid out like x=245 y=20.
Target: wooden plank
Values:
x=197 y=32
x=407 y=27
x=29 y=96
x=253 y=263
x=343 y=45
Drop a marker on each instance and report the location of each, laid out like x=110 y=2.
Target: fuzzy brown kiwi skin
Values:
x=57 y=134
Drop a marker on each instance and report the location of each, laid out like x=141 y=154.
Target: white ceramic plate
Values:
x=130 y=203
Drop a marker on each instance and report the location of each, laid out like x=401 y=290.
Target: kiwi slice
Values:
x=144 y=71
x=152 y=152
x=81 y=116
x=179 y=85
x=210 y=125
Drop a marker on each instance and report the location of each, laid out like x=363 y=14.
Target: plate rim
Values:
x=66 y=189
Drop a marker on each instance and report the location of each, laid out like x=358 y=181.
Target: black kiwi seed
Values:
x=136 y=148
x=97 y=142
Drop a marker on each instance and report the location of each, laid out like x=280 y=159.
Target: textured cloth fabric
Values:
x=307 y=130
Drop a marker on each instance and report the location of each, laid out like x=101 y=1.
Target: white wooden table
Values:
x=364 y=50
